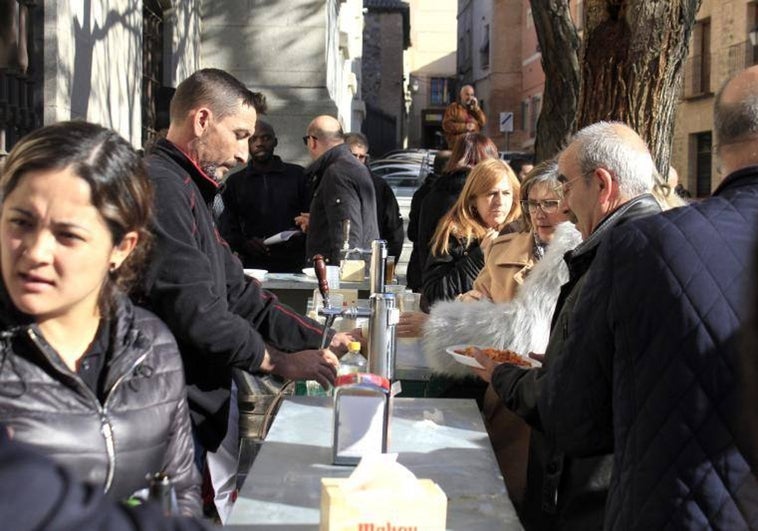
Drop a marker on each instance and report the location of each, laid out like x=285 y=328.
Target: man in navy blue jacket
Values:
x=649 y=368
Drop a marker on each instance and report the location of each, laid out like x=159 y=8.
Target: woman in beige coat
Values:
x=510 y=307
x=510 y=257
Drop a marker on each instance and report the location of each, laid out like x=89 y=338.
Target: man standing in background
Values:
x=342 y=190
x=262 y=200
x=387 y=210
x=463 y=116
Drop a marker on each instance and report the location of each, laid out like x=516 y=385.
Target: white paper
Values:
x=360 y=426
x=280 y=237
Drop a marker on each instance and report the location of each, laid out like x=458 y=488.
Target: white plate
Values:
x=309 y=272
x=471 y=362
x=258 y=274
x=462 y=358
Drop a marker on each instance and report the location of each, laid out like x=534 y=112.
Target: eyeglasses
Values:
x=306 y=137
x=548 y=206
x=564 y=183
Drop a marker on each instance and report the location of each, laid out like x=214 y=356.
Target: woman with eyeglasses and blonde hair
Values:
x=512 y=308
x=511 y=256
x=487 y=202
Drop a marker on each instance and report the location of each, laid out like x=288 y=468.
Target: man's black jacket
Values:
x=221 y=318
x=259 y=204
x=342 y=189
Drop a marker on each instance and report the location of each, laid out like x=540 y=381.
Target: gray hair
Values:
x=546 y=172
x=601 y=145
x=737 y=120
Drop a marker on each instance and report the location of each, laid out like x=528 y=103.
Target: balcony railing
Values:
x=741 y=56
x=697 y=76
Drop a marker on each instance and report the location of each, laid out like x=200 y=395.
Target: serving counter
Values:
x=439 y=439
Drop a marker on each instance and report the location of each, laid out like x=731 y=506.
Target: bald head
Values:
x=735 y=116
x=324 y=132
x=466 y=94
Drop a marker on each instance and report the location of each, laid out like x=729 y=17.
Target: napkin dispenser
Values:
x=361 y=417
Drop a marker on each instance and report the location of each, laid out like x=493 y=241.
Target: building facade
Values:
x=106 y=60
x=723 y=42
x=430 y=63
x=386 y=35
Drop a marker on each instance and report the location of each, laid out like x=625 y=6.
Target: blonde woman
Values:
x=488 y=201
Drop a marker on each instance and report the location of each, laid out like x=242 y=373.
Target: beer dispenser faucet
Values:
x=382 y=313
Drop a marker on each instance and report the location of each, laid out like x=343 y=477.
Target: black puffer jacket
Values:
x=442 y=195
x=450 y=274
x=141 y=427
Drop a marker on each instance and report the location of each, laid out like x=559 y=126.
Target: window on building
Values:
x=439 y=91
x=152 y=65
x=484 y=49
x=703 y=153
x=698 y=71
x=751 y=54
x=525 y=116
x=467 y=46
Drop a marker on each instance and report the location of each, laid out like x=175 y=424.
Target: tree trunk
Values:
x=559 y=43
x=632 y=66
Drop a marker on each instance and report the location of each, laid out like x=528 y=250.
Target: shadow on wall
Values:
x=86 y=37
x=265 y=63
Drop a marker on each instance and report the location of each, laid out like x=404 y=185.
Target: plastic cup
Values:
x=333 y=276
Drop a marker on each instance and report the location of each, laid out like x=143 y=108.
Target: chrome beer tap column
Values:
x=329 y=312
x=384 y=316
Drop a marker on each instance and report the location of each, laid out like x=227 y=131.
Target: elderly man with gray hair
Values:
x=648 y=366
x=607 y=176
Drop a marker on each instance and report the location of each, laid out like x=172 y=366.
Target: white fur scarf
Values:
x=521 y=324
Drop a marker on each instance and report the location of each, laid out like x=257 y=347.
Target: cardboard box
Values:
x=390 y=511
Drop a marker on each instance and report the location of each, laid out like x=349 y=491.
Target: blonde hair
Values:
x=665 y=194
x=462 y=221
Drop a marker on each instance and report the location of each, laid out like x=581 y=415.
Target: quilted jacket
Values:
x=141 y=427
x=649 y=368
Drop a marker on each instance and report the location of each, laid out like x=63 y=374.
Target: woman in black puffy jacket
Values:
x=86 y=377
x=487 y=202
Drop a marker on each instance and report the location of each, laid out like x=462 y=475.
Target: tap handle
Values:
x=345 y=234
x=323 y=285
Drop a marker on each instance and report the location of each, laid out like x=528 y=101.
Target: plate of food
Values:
x=258 y=274
x=464 y=354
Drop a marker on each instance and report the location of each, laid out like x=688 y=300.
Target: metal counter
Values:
x=439 y=439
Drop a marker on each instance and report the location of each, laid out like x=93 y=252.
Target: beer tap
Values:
x=382 y=313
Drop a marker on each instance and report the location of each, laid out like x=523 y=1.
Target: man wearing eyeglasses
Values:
x=650 y=362
x=261 y=201
x=606 y=180
x=387 y=210
x=342 y=190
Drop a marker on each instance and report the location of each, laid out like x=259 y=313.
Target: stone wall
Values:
x=93 y=60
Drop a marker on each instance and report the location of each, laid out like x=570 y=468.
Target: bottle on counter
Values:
x=161 y=491
x=353 y=361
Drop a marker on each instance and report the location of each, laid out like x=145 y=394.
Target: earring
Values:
x=112 y=268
